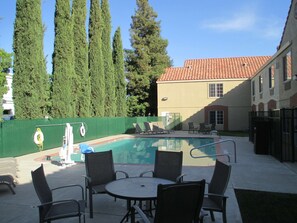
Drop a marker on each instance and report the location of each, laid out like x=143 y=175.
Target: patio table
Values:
x=135 y=189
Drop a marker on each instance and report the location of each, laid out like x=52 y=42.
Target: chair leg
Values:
x=9 y=186
x=212 y=216
x=86 y=196
x=11 y=189
x=224 y=217
x=91 y=203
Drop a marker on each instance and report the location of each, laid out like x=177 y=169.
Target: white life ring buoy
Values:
x=38 y=137
x=82 y=130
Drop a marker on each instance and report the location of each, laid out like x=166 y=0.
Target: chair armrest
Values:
x=201 y=216
x=60 y=202
x=145 y=172
x=123 y=172
x=216 y=195
x=88 y=180
x=71 y=185
x=180 y=178
x=141 y=213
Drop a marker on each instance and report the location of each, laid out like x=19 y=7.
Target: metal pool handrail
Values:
x=214 y=143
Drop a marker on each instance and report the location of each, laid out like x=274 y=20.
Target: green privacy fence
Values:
x=17 y=136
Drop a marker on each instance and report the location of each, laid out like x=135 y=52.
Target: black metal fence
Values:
x=275 y=133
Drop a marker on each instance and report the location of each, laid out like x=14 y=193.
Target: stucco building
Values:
x=274 y=86
x=7 y=102
x=215 y=90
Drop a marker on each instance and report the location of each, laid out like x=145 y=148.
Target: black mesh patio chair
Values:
x=215 y=200
x=203 y=129
x=192 y=128
x=168 y=165
x=176 y=203
x=99 y=172
x=49 y=209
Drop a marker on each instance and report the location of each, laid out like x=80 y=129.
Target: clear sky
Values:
x=194 y=28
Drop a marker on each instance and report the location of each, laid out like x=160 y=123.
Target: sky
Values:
x=194 y=29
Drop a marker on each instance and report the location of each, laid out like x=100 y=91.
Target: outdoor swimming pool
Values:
x=142 y=150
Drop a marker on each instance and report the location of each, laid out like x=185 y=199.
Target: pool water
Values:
x=142 y=150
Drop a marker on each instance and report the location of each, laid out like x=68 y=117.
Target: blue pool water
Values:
x=142 y=150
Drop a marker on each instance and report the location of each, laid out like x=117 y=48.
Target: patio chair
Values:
x=99 y=172
x=192 y=128
x=168 y=165
x=215 y=200
x=49 y=209
x=176 y=203
x=204 y=129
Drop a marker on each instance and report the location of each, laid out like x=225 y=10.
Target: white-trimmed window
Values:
x=271 y=76
x=216 y=117
x=215 y=90
x=287 y=66
x=260 y=83
x=253 y=88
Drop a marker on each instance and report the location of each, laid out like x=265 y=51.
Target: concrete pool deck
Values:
x=256 y=172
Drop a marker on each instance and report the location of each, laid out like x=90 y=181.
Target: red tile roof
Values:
x=215 y=68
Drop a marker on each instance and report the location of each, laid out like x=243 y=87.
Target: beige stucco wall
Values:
x=267 y=93
x=190 y=97
x=283 y=90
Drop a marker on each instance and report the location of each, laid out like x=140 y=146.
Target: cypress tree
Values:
x=82 y=86
x=108 y=65
x=146 y=62
x=30 y=80
x=120 y=82
x=96 y=69
x=63 y=69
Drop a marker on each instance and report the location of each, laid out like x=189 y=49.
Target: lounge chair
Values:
x=8 y=180
x=163 y=128
x=8 y=172
x=149 y=128
x=176 y=203
x=156 y=129
x=49 y=209
x=138 y=129
x=99 y=172
x=215 y=200
x=192 y=127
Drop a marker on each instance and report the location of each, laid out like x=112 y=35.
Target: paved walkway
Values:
x=258 y=172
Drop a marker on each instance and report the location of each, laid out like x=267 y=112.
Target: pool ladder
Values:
x=214 y=143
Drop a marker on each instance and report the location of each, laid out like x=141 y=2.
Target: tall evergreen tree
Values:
x=96 y=68
x=108 y=65
x=82 y=86
x=30 y=80
x=63 y=68
x=146 y=62
x=120 y=82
